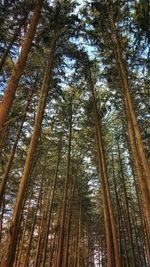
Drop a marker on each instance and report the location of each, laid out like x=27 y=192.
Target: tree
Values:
x=10 y=91
x=73 y=172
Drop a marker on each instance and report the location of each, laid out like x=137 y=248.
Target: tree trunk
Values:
x=76 y=241
x=118 y=211
x=124 y=243
x=12 y=153
x=68 y=225
x=128 y=100
x=110 y=223
x=13 y=82
x=137 y=148
x=14 y=227
x=34 y=221
x=51 y=204
x=54 y=248
x=63 y=213
x=41 y=233
x=21 y=243
x=79 y=237
x=127 y=209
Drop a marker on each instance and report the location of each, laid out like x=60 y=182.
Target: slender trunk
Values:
x=63 y=214
x=13 y=82
x=54 y=248
x=34 y=221
x=123 y=233
x=41 y=233
x=118 y=211
x=12 y=153
x=127 y=209
x=19 y=220
x=50 y=206
x=146 y=247
x=129 y=102
x=107 y=220
x=137 y=175
x=137 y=147
x=20 y=217
x=109 y=217
x=21 y=243
x=14 y=227
x=137 y=239
x=66 y=256
x=140 y=179
x=79 y=236
x=76 y=237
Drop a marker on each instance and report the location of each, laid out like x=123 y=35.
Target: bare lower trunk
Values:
x=68 y=225
x=50 y=207
x=63 y=214
x=21 y=243
x=110 y=222
x=27 y=255
x=14 y=227
x=127 y=210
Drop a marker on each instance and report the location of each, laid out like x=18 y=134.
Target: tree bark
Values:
x=63 y=214
x=12 y=153
x=127 y=209
x=13 y=82
x=13 y=230
x=110 y=223
x=68 y=225
x=51 y=205
x=137 y=147
x=21 y=243
x=34 y=221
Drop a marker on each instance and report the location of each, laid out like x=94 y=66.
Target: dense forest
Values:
x=74 y=133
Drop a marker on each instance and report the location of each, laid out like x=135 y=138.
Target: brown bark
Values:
x=63 y=213
x=54 y=247
x=41 y=235
x=139 y=175
x=146 y=247
x=110 y=223
x=13 y=230
x=118 y=212
x=13 y=82
x=79 y=237
x=68 y=225
x=27 y=254
x=137 y=147
x=12 y=153
x=127 y=209
x=128 y=100
x=124 y=243
x=50 y=205
x=21 y=243
x=76 y=241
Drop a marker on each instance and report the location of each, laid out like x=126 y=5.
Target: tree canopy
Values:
x=74 y=133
